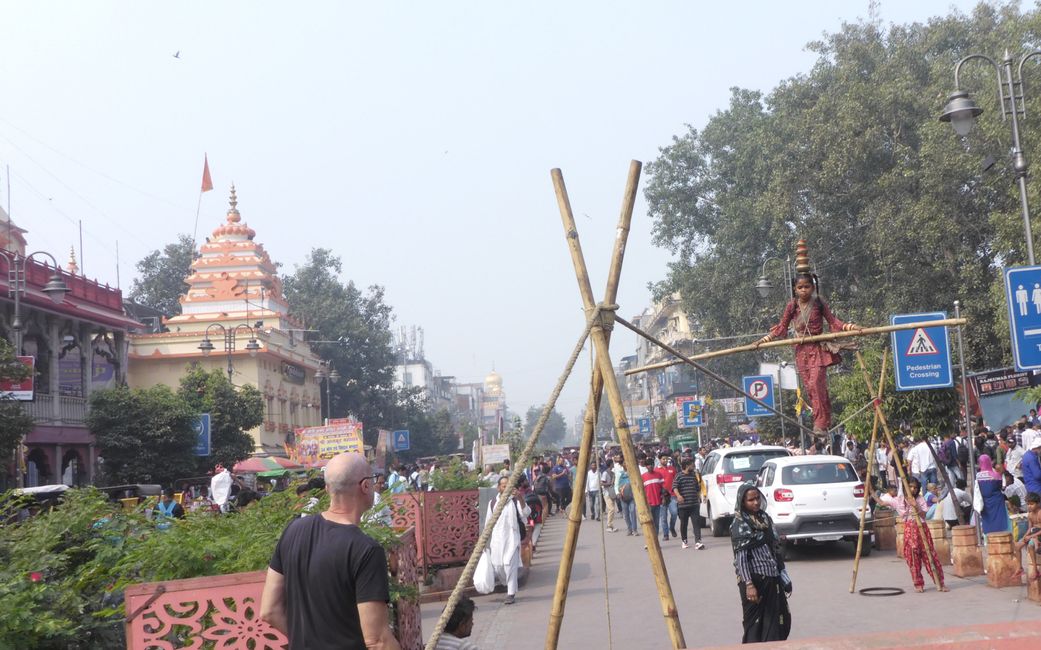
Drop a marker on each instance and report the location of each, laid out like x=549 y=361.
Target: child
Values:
x=806 y=314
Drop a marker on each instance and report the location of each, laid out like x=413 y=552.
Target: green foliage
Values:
x=144 y=435
x=161 y=283
x=364 y=357
x=555 y=429
x=15 y=423
x=933 y=412
x=454 y=475
x=233 y=411
x=430 y=434
x=850 y=156
x=666 y=427
x=87 y=550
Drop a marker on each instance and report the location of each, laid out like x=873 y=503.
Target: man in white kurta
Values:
x=504 y=547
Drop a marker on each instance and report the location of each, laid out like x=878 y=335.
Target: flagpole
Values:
x=195 y=230
x=206 y=186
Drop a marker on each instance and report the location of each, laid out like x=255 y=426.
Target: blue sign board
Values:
x=1023 y=294
x=401 y=440
x=202 y=435
x=922 y=356
x=692 y=414
x=760 y=387
x=644 y=424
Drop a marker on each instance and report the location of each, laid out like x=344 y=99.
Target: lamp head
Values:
x=56 y=288
x=961 y=111
x=252 y=347
x=764 y=286
x=334 y=376
x=206 y=346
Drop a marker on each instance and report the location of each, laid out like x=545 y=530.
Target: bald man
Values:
x=327 y=583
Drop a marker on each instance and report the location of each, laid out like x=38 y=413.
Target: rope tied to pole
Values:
x=603 y=315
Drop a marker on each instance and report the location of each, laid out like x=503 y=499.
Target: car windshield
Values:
x=748 y=463
x=813 y=473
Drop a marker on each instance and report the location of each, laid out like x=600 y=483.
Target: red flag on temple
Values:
x=207 y=182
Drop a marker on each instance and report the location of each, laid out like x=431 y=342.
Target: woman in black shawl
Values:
x=762 y=579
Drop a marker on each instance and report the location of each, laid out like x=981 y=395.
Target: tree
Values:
x=15 y=423
x=850 y=156
x=162 y=284
x=553 y=432
x=363 y=356
x=232 y=411
x=145 y=435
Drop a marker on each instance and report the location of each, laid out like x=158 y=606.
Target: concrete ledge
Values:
x=995 y=636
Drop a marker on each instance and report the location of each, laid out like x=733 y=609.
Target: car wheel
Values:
x=719 y=526
x=865 y=550
x=785 y=550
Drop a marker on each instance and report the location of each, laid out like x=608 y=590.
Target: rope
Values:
x=518 y=471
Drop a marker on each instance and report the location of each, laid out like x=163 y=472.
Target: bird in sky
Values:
x=177 y=54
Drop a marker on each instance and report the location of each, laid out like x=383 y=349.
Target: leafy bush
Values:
x=63 y=571
x=456 y=476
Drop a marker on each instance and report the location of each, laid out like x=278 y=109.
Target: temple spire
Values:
x=233 y=211
x=73 y=267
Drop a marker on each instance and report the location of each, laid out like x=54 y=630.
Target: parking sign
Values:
x=761 y=387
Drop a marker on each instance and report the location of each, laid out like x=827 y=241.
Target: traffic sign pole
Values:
x=965 y=398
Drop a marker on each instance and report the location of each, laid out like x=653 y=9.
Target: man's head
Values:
x=167 y=496
x=461 y=623
x=1033 y=502
x=348 y=478
x=1036 y=445
x=687 y=466
x=503 y=482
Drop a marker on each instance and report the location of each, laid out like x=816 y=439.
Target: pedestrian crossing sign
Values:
x=921 y=344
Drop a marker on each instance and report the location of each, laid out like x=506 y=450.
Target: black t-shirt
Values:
x=689 y=488
x=329 y=568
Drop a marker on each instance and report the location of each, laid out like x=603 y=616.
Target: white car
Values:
x=814 y=498
x=722 y=473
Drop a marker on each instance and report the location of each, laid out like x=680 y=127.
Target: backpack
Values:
x=626 y=493
x=542 y=484
x=944 y=453
x=523 y=525
x=963 y=452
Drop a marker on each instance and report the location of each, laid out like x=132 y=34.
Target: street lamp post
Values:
x=764 y=287
x=16 y=265
x=961 y=111
x=330 y=376
x=229 y=343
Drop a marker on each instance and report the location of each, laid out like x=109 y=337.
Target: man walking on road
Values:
x=687 y=491
x=652 y=486
x=593 y=490
x=561 y=478
x=327 y=583
x=668 y=505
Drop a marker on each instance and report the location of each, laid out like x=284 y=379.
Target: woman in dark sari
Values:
x=762 y=579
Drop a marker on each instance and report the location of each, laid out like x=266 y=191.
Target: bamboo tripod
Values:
x=880 y=418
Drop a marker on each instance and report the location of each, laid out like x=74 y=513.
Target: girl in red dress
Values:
x=806 y=314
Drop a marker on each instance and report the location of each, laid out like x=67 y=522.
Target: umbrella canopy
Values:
x=256 y=465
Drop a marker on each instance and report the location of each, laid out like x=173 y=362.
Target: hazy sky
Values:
x=414 y=139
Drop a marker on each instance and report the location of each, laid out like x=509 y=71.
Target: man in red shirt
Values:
x=669 y=512
x=653 y=484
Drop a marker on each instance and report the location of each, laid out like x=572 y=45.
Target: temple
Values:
x=234 y=302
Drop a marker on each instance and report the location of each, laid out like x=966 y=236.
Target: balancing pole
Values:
x=614 y=396
x=871 y=464
x=900 y=468
x=567 y=557
x=798 y=340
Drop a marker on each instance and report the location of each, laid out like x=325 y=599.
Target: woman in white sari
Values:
x=504 y=547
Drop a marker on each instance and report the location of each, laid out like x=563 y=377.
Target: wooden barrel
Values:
x=1003 y=566
x=1033 y=575
x=898 y=525
x=965 y=552
x=885 y=529
x=938 y=531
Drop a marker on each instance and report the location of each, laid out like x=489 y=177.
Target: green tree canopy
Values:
x=360 y=322
x=555 y=429
x=145 y=435
x=161 y=283
x=233 y=411
x=850 y=155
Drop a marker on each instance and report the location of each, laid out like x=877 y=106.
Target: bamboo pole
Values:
x=941 y=469
x=603 y=360
x=867 y=482
x=690 y=360
x=567 y=557
x=903 y=474
x=799 y=340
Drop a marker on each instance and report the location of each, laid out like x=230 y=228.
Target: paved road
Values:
x=706 y=594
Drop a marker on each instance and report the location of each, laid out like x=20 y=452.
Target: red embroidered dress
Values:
x=812 y=359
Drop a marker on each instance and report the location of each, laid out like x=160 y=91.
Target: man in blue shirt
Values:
x=1031 y=465
x=561 y=477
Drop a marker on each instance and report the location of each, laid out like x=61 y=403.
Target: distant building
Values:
x=413 y=370
x=234 y=298
x=667 y=321
x=78 y=345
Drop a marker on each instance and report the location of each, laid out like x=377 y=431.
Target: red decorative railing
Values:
x=224 y=611
x=447 y=524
